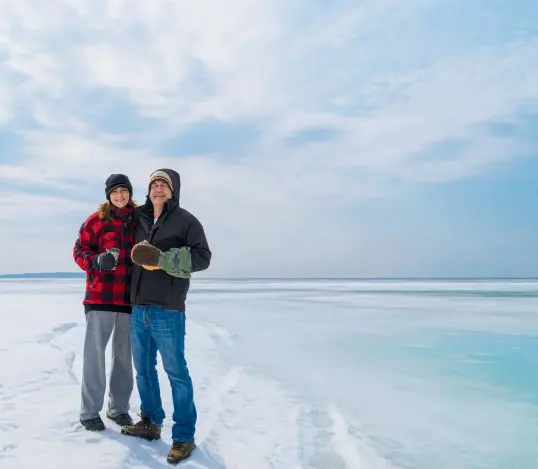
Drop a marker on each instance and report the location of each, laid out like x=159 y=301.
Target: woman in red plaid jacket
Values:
x=106 y=304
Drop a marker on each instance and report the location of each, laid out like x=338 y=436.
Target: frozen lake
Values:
x=296 y=374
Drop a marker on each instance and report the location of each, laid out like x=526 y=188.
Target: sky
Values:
x=377 y=138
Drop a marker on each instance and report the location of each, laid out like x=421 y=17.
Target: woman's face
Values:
x=120 y=197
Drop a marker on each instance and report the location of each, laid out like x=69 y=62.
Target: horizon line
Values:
x=82 y=274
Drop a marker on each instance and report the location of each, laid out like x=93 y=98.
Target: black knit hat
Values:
x=117 y=180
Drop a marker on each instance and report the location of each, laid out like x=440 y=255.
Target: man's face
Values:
x=120 y=197
x=159 y=192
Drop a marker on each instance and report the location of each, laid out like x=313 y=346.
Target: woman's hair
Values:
x=104 y=209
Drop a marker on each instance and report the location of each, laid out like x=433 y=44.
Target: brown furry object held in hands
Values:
x=146 y=255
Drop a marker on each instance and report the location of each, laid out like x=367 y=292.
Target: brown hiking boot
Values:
x=143 y=429
x=180 y=450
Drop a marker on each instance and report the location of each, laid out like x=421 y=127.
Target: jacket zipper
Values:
x=151 y=235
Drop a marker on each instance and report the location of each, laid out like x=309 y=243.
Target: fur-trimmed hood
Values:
x=104 y=211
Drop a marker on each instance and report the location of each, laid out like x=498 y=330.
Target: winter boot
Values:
x=180 y=450
x=93 y=424
x=143 y=429
x=121 y=419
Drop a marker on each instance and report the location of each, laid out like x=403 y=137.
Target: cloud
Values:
x=285 y=111
x=36 y=208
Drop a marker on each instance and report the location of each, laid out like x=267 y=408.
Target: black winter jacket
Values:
x=175 y=228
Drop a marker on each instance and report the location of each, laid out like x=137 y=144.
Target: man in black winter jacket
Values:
x=170 y=246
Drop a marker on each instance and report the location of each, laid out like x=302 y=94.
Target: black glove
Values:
x=104 y=261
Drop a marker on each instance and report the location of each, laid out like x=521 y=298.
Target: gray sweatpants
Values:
x=99 y=327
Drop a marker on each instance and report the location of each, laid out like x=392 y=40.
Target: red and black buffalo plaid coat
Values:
x=109 y=289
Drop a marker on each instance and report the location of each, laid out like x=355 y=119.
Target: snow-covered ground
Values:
x=294 y=375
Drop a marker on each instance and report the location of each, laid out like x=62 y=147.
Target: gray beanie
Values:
x=163 y=176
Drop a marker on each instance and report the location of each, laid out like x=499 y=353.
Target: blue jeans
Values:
x=154 y=329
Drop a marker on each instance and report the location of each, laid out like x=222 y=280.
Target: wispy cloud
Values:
x=267 y=108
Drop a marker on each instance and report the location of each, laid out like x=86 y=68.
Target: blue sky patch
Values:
x=312 y=135
x=215 y=137
x=10 y=147
x=112 y=111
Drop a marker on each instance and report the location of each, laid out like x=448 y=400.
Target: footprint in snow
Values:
x=7 y=449
x=57 y=331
